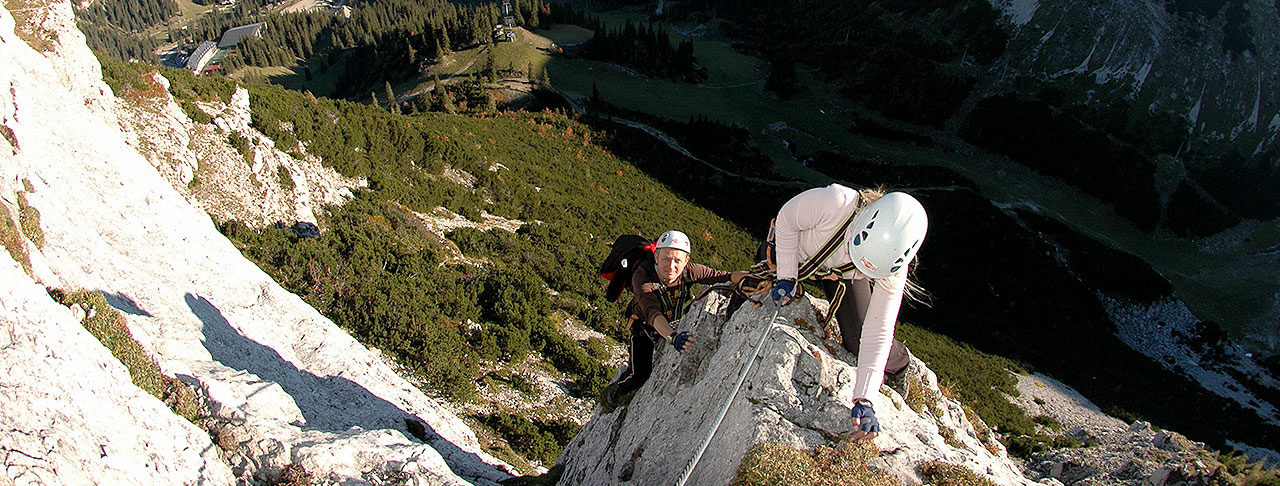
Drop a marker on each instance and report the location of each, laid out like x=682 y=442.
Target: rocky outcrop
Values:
x=283 y=384
x=798 y=393
x=1113 y=452
x=265 y=185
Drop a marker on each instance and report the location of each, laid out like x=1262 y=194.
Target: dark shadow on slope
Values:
x=124 y=303
x=330 y=403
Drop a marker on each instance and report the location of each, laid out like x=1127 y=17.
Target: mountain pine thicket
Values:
x=647 y=47
x=119 y=27
x=379 y=273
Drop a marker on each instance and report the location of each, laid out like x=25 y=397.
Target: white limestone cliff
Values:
x=797 y=393
x=286 y=384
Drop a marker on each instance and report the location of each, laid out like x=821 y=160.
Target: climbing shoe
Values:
x=900 y=381
x=611 y=398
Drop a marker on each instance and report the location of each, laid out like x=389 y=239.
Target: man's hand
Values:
x=865 y=425
x=683 y=341
x=783 y=291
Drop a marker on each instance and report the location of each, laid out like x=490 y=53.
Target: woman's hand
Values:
x=865 y=425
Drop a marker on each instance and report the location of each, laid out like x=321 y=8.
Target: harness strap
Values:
x=836 y=299
x=811 y=269
x=673 y=307
x=814 y=263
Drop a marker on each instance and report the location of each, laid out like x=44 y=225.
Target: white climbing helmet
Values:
x=675 y=239
x=886 y=234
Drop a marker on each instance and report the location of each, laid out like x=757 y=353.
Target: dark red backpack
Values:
x=627 y=253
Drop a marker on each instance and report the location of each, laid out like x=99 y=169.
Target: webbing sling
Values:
x=811 y=268
x=672 y=308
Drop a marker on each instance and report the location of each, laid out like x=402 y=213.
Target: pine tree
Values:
x=373 y=99
x=446 y=102
x=391 y=95
x=544 y=82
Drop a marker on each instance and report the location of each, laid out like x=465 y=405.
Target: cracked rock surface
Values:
x=72 y=415
x=797 y=393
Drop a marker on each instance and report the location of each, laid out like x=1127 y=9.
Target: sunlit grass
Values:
x=775 y=464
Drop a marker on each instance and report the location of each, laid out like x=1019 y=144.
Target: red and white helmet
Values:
x=675 y=239
x=886 y=234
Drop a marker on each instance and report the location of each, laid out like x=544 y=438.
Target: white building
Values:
x=199 y=58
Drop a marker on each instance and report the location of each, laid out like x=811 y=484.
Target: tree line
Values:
x=133 y=16
x=648 y=49
x=115 y=27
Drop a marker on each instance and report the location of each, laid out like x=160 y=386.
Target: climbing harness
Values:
x=760 y=276
x=742 y=376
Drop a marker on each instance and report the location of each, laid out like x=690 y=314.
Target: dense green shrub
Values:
x=979 y=380
x=376 y=271
x=538 y=439
x=241 y=144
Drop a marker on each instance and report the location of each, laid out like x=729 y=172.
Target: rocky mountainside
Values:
x=1212 y=61
x=264 y=185
x=284 y=389
x=282 y=383
x=797 y=394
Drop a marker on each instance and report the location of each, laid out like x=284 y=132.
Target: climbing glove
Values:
x=783 y=291
x=681 y=341
x=864 y=418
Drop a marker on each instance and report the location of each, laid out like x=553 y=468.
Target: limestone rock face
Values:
x=71 y=414
x=284 y=384
x=797 y=393
x=265 y=185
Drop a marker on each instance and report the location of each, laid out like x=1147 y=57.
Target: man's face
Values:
x=671 y=264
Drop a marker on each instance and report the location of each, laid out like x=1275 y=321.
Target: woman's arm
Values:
x=877 y=334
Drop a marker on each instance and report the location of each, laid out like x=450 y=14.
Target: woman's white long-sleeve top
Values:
x=803 y=226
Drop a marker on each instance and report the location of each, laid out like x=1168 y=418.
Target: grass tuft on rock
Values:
x=11 y=238
x=937 y=473
x=107 y=325
x=29 y=219
x=771 y=464
x=1236 y=469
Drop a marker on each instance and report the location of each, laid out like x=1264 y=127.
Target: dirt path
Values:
x=457 y=73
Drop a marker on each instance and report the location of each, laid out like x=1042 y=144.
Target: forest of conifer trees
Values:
x=647 y=48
